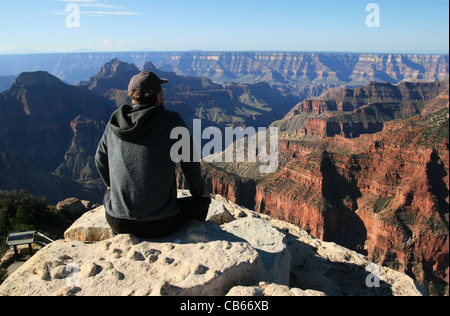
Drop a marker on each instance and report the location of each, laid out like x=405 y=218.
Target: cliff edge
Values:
x=236 y=252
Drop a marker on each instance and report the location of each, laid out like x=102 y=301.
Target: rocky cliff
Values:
x=236 y=252
x=36 y=115
x=198 y=97
x=317 y=68
x=114 y=75
x=379 y=186
x=79 y=161
x=38 y=118
x=364 y=110
x=384 y=195
x=348 y=100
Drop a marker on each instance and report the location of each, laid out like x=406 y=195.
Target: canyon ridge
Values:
x=363 y=140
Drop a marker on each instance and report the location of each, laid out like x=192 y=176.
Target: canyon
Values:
x=37 y=125
x=49 y=130
x=385 y=196
x=363 y=110
x=218 y=105
x=363 y=147
x=382 y=192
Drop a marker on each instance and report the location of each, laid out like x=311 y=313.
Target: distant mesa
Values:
x=284 y=69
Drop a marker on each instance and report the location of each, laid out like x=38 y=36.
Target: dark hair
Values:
x=138 y=97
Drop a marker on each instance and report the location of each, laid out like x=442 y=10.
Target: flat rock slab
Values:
x=125 y=266
x=253 y=255
x=270 y=244
x=266 y=289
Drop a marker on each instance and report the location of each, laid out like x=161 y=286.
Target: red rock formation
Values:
x=376 y=92
x=384 y=195
x=365 y=110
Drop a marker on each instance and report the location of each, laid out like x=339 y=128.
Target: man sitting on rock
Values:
x=134 y=161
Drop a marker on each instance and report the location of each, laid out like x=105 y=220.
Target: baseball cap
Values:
x=146 y=81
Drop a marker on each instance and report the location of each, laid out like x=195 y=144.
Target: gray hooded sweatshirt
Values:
x=133 y=159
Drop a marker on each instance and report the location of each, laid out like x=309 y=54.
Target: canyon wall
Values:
x=317 y=68
x=384 y=195
x=279 y=68
x=365 y=110
x=374 y=179
x=47 y=125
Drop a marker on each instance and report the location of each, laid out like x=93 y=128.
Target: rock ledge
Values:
x=253 y=255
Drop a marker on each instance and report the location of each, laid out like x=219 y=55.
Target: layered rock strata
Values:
x=384 y=195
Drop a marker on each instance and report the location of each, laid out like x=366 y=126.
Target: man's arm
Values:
x=193 y=174
x=192 y=169
x=101 y=160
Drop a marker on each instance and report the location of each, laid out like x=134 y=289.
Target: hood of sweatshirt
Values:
x=130 y=123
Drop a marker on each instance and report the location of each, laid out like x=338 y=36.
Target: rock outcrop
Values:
x=365 y=110
x=37 y=112
x=384 y=195
x=379 y=186
x=79 y=162
x=113 y=75
x=73 y=208
x=236 y=252
x=348 y=100
x=221 y=105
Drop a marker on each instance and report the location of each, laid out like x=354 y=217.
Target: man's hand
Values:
x=206 y=195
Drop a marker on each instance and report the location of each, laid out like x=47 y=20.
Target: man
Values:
x=134 y=161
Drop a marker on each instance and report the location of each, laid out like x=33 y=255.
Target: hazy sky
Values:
x=245 y=25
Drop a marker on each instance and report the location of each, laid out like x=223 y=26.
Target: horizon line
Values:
x=224 y=51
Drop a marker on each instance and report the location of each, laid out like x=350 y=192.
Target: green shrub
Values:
x=21 y=211
x=3 y=275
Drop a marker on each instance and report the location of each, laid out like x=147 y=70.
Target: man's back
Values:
x=134 y=161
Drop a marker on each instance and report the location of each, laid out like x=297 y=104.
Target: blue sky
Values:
x=410 y=26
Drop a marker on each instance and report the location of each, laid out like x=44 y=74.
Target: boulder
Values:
x=92 y=226
x=270 y=244
x=267 y=289
x=219 y=213
x=72 y=208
